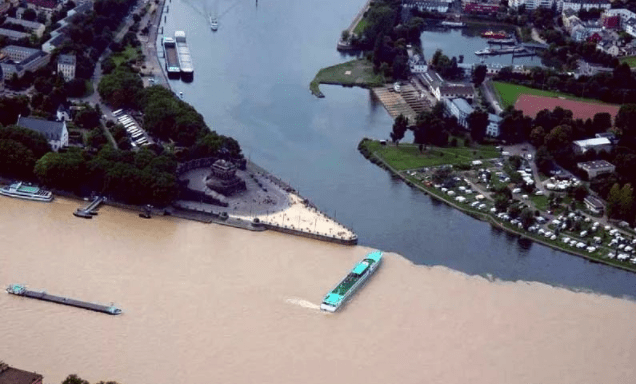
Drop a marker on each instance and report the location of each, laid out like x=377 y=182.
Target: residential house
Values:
x=596 y=144
x=630 y=26
x=454 y=90
x=55 y=132
x=440 y=6
x=10 y=375
x=417 y=64
x=32 y=26
x=577 y=5
x=16 y=60
x=596 y=168
x=494 y=122
x=622 y=13
x=608 y=47
x=568 y=16
x=66 y=66
x=594 y=204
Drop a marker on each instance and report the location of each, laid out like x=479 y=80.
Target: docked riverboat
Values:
x=495 y=35
x=27 y=192
x=347 y=287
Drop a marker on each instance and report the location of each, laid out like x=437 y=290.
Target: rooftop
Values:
x=50 y=129
x=24 y=23
x=593 y=142
x=27 y=50
x=13 y=34
x=66 y=59
x=463 y=106
x=10 y=375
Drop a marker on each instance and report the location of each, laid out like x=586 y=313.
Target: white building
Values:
x=21 y=59
x=34 y=27
x=54 y=131
x=577 y=5
x=596 y=168
x=531 y=4
x=630 y=26
x=494 y=121
x=66 y=66
x=460 y=109
x=440 y=6
x=417 y=64
x=596 y=144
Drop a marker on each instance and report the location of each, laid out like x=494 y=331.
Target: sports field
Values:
x=509 y=93
x=531 y=105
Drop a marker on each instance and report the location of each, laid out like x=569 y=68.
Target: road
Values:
x=487 y=90
x=536 y=37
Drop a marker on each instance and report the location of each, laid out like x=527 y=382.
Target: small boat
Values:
x=485 y=51
x=453 y=24
x=214 y=23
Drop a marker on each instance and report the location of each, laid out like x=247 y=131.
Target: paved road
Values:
x=486 y=88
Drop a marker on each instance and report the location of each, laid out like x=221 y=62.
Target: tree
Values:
x=527 y=218
x=29 y=14
x=626 y=201
x=537 y=136
x=74 y=379
x=399 y=128
x=613 y=201
x=626 y=119
x=477 y=123
x=543 y=159
x=479 y=74
x=602 y=122
x=345 y=36
x=580 y=192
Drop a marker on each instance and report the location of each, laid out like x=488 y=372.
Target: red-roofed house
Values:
x=595 y=38
x=10 y=375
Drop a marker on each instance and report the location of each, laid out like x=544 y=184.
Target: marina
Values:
x=348 y=286
x=28 y=192
x=21 y=290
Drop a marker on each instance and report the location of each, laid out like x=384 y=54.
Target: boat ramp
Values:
x=90 y=210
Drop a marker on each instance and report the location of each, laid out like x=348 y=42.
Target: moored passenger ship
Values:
x=347 y=287
x=28 y=192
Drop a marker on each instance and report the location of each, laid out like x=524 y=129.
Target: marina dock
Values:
x=90 y=210
x=20 y=290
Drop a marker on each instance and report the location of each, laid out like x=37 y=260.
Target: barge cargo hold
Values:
x=172 y=59
x=20 y=290
x=185 y=60
x=358 y=275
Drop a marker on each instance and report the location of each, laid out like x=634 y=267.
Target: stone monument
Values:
x=223 y=179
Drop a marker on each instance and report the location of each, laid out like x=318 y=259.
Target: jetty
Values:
x=90 y=210
x=21 y=290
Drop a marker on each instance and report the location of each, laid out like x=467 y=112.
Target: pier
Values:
x=90 y=210
x=20 y=290
x=409 y=101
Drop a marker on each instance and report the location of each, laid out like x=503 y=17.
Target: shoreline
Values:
x=488 y=218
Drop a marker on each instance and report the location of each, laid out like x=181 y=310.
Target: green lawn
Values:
x=540 y=202
x=408 y=156
x=509 y=93
x=125 y=55
x=356 y=72
x=362 y=24
x=631 y=60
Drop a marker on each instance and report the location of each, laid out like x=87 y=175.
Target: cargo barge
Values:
x=20 y=290
x=347 y=287
x=172 y=59
x=183 y=52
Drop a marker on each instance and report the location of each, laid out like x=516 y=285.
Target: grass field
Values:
x=631 y=60
x=408 y=156
x=362 y=24
x=125 y=55
x=509 y=93
x=356 y=72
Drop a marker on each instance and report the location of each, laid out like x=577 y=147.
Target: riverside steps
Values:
x=20 y=290
x=90 y=210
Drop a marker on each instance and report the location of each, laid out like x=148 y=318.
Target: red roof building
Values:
x=611 y=22
x=595 y=38
x=9 y=375
x=480 y=8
